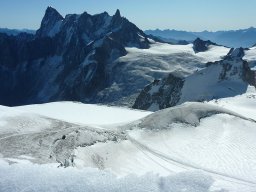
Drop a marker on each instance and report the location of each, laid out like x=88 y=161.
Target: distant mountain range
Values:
x=107 y=59
x=233 y=38
x=16 y=31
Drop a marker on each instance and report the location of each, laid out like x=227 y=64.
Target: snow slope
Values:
x=79 y=113
x=203 y=137
x=15 y=121
x=168 y=58
x=40 y=129
x=143 y=66
x=226 y=78
x=30 y=177
x=244 y=104
x=215 y=82
x=192 y=147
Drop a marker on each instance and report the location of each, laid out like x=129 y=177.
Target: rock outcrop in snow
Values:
x=188 y=113
x=201 y=46
x=164 y=94
x=226 y=78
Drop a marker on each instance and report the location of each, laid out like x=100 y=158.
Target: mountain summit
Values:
x=50 y=23
x=106 y=59
x=69 y=58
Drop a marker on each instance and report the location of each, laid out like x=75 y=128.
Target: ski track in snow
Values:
x=175 y=148
x=188 y=166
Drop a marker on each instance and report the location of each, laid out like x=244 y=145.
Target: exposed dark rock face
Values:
x=248 y=74
x=8 y=55
x=50 y=23
x=201 y=46
x=235 y=53
x=67 y=59
x=164 y=94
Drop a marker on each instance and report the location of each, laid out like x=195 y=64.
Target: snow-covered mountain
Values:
x=90 y=58
x=232 y=38
x=226 y=78
x=186 y=145
x=68 y=59
x=196 y=146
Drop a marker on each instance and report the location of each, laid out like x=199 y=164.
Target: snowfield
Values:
x=195 y=147
x=31 y=177
x=244 y=104
x=143 y=66
x=85 y=113
x=166 y=58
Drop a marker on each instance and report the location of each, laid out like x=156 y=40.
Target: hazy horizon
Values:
x=195 y=15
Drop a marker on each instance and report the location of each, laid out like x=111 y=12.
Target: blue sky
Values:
x=192 y=15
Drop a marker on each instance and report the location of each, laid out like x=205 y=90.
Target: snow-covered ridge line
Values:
x=225 y=78
x=190 y=113
x=85 y=114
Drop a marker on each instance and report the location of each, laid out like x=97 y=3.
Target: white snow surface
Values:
x=89 y=114
x=210 y=84
x=171 y=58
x=244 y=104
x=143 y=66
x=29 y=177
x=195 y=147
x=250 y=56
x=15 y=121
x=190 y=113
x=214 y=53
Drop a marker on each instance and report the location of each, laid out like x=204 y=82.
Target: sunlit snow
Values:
x=192 y=147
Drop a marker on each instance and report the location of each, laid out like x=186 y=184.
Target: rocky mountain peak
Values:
x=81 y=48
x=117 y=19
x=51 y=11
x=117 y=14
x=50 y=23
x=200 y=45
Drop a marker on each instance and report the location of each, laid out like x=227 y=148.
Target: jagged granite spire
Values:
x=117 y=14
x=85 y=45
x=50 y=24
x=117 y=18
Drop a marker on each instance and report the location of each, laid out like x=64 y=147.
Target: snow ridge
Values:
x=189 y=113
